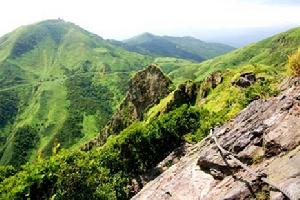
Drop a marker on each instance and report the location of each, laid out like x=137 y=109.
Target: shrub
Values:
x=6 y=171
x=294 y=63
x=25 y=139
x=8 y=107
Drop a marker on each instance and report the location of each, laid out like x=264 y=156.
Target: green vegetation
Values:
x=25 y=140
x=227 y=100
x=6 y=171
x=294 y=63
x=273 y=52
x=103 y=173
x=8 y=107
x=86 y=99
x=53 y=75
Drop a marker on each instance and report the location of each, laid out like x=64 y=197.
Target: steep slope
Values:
x=265 y=136
x=179 y=47
x=64 y=82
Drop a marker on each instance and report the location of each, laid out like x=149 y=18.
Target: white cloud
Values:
x=123 y=18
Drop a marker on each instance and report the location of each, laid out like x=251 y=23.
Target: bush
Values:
x=6 y=171
x=294 y=63
x=8 y=107
x=25 y=139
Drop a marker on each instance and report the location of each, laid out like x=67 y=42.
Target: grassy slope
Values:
x=271 y=51
x=59 y=51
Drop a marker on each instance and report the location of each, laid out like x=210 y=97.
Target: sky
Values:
x=212 y=20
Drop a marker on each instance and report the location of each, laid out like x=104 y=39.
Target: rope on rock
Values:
x=253 y=173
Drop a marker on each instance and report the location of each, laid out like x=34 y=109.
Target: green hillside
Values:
x=272 y=51
x=179 y=47
x=62 y=82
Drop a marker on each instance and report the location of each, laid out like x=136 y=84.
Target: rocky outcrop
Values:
x=245 y=80
x=265 y=136
x=146 y=88
x=185 y=93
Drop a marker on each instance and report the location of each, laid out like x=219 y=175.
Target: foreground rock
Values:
x=265 y=136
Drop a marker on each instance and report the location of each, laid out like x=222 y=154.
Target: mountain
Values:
x=59 y=82
x=153 y=133
x=179 y=47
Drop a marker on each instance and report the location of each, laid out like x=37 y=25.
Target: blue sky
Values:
x=120 y=19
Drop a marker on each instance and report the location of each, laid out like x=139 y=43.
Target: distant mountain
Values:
x=178 y=47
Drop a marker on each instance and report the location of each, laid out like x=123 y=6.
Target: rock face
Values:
x=265 y=136
x=146 y=88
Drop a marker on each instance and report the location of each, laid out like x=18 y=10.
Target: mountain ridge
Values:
x=187 y=47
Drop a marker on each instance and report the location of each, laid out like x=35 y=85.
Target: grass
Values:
x=228 y=96
x=158 y=108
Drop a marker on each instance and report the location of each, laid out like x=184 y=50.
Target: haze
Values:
x=235 y=22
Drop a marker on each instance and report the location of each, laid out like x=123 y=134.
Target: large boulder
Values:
x=245 y=80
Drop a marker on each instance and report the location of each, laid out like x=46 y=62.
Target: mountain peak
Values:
x=147 y=34
x=139 y=39
x=26 y=38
